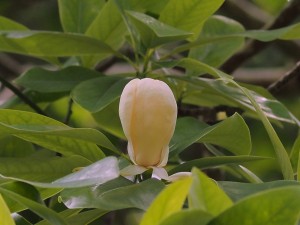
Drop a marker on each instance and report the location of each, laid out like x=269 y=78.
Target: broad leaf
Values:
x=41 y=169
x=267 y=207
x=206 y=195
x=209 y=162
x=238 y=190
x=232 y=134
x=15 y=147
x=193 y=216
x=5 y=216
x=77 y=15
x=165 y=204
x=189 y=15
x=114 y=195
x=37 y=208
x=7 y=24
x=44 y=43
x=216 y=53
x=153 y=32
x=94 y=95
x=294 y=157
x=46 y=81
x=110 y=31
x=54 y=135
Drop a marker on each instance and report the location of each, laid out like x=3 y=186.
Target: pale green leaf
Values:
x=5 y=216
x=166 y=204
x=189 y=15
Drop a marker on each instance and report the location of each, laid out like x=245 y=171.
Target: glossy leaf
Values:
x=77 y=15
x=217 y=53
x=165 y=204
x=153 y=32
x=37 y=208
x=114 y=195
x=238 y=190
x=193 y=216
x=44 y=43
x=5 y=216
x=46 y=81
x=94 y=95
x=41 y=169
x=232 y=134
x=108 y=119
x=209 y=162
x=206 y=195
x=267 y=207
x=189 y=15
x=54 y=135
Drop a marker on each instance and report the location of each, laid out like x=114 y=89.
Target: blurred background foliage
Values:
x=263 y=68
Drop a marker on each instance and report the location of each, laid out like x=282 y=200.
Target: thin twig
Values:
x=290 y=75
x=23 y=97
x=69 y=112
x=288 y=15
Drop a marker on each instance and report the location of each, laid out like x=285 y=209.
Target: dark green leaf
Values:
x=94 y=95
x=209 y=162
x=19 y=220
x=232 y=134
x=15 y=147
x=46 y=81
x=294 y=156
x=113 y=195
x=238 y=191
x=273 y=207
x=154 y=33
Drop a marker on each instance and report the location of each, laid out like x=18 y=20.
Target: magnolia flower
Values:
x=148 y=114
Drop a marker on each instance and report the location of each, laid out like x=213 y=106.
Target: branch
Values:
x=23 y=97
x=290 y=75
x=253 y=47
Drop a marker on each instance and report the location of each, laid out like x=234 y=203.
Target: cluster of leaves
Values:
x=39 y=155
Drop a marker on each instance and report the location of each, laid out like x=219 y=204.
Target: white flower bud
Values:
x=148 y=114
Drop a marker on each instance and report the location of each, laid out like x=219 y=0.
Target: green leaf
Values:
x=232 y=134
x=108 y=119
x=166 y=204
x=41 y=169
x=46 y=81
x=189 y=15
x=37 y=208
x=7 y=24
x=24 y=190
x=43 y=43
x=267 y=207
x=112 y=32
x=77 y=15
x=114 y=195
x=193 y=216
x=15 y=147
x=215 y=161
x=294 y=156
x=54 y=135
x=94 y=95
x=206 y=195
x=216 y=53
x=153 y=32
x=237 y=190
x=5 y=216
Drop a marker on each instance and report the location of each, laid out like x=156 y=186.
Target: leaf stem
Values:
x=23 y=97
